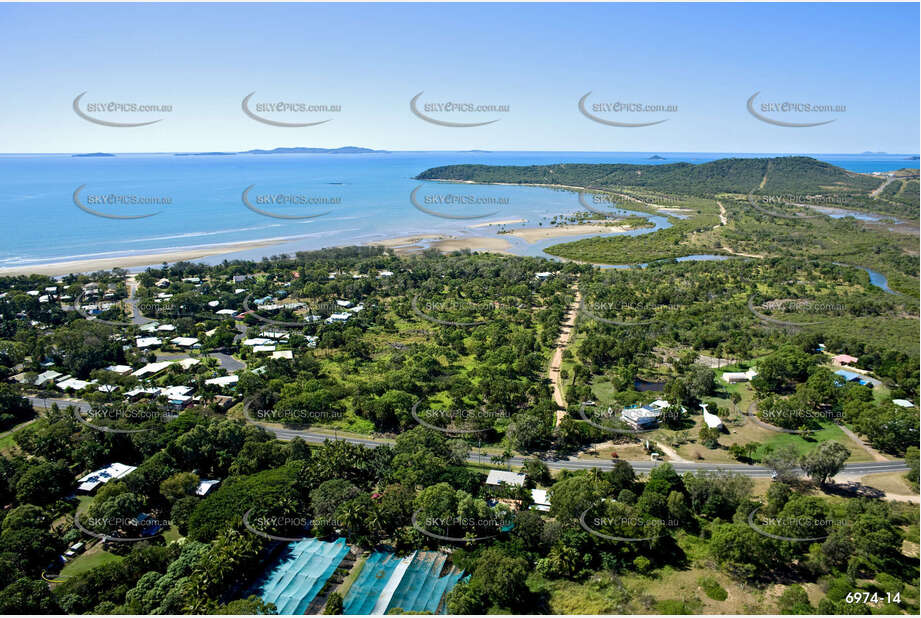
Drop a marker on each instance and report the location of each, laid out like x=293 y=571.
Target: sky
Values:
x=702 y=61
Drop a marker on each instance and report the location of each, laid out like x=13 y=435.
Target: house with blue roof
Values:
x=850 y=376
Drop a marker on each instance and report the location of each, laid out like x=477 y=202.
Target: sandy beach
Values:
x=401 y=244
x=406 y=241
x=534 y=234
x=474 y=243
x=147 y=259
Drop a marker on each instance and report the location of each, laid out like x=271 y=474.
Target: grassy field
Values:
x=890 y=482
x=657 y=592
x=92 y=558
x=7 y=438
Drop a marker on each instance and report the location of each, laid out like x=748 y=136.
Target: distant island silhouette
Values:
x=286 y=150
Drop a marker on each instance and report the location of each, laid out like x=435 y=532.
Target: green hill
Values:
x=784 y=175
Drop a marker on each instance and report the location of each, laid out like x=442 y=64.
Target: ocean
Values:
x=199 y=201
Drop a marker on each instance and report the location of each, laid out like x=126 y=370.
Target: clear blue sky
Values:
x=539 y=59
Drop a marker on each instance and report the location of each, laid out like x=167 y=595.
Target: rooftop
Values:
x=503 y=477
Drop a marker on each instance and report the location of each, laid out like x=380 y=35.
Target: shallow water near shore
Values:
x=199 y=200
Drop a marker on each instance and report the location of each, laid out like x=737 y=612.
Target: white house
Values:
x=147 y=342
x=258 y=341
x=121 y=370
x=733 y=377
x=152 y=368
x=641 y=418
x=74 y=384
x=205 y=486
x=223 y=381
x=47 y=376
x=541 y=501
x=185 y=342
x=102 y=476
x=338 y=317
x=503 y=477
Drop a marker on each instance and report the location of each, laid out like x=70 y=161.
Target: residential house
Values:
x=102 y=476
x=843 y=360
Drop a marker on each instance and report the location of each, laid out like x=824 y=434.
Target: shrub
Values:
x=642 y=564
x=713 y=589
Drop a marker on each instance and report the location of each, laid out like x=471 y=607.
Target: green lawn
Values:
x=93 y=558
x=828 y=432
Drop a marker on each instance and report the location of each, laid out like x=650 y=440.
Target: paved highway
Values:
x=852 y=469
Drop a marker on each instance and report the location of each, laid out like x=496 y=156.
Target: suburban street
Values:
x=850 y=470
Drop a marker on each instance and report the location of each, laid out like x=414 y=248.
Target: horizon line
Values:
x=386 y=151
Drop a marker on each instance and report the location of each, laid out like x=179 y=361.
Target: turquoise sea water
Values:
x=198 y=200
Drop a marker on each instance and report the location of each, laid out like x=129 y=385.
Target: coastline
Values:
x=447 y=243
x=146 y=259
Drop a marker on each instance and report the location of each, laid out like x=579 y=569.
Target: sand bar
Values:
x=407 y=241
x=491 y=244
x=445 y=243
x=534 y=234
x=506 y=222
